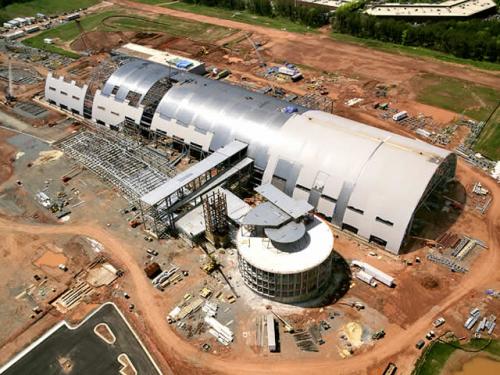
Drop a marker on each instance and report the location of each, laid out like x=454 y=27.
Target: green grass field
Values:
x=120 y=22
x=457 y=95
x=240 y=16
x=47 y=7
x=488 y=143
x=435 y=356
x=413 y=51
x=468 y=98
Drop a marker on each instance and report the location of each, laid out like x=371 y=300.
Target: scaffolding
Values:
x=215 y=213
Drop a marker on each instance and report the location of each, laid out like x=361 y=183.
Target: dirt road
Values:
x=177 y=352
x=323 y=53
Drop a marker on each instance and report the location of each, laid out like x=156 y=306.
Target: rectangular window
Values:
x=64 y=93
x=378 y=240
x=100 y=122
x=349 y=228
x=161 y=132
x=303 y=188
x=52 y=88
x=330 y=199
x=357 y=210
x=101 y=108
x=75 y=97
x=114 y=113
x=278 y=182
x=383 y=221
x=75 y=111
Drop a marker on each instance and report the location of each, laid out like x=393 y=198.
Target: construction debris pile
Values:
x=480 y=198
x=20 y=76
x=27 y=54
x=454 y=250
x=487 y=324
x=465 y=149
x=283 y=73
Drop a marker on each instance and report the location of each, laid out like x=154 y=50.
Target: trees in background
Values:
x=472 y=39
x=312 y=16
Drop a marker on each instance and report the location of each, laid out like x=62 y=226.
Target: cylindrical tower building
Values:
x=282 y=257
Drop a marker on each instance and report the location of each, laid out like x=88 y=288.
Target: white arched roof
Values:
x=369 y=179
x=378 y=173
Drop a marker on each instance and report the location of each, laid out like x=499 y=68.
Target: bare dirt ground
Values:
x=176 y=355
x=323 y=53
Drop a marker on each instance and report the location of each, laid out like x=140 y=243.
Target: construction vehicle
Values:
x=222 y=74
x=152 y=252
x=134 y=223
x=380 y=334
x=72 y=173
x=357 y=305
x=420 y=344
x=438 y=322
x=205 y=292
x=288 y=327
x=210 y=265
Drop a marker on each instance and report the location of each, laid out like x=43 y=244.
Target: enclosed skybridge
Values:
x=163 y=206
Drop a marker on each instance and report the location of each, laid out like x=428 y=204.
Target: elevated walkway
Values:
x=164 y=205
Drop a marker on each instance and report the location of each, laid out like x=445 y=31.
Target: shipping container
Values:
x=271 y=333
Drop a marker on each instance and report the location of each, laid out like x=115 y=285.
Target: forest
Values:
x=313 y=16
x=475 y=39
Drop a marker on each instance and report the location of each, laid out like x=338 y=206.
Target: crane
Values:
x=261 y=59
x=9 y=96
x=82 y=36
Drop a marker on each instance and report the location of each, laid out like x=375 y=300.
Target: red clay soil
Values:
x=7 y=153
x=175 y=354
x=324 y=53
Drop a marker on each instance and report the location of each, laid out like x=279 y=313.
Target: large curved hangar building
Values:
x=363 y=179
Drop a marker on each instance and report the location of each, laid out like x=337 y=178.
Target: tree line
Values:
x=471 y=39
x=4 y=3
x=312 y=16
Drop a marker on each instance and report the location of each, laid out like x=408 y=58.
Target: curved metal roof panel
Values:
x=230 y=112
x=137 y=76
x=378 y=173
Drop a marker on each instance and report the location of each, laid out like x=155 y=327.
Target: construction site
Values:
x=240 y=204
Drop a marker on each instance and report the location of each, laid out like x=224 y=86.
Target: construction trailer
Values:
x=375 y=273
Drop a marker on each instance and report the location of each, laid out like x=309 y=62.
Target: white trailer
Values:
x=271 y=333
x=367 y=278
x=375 y=272
x=400 y=115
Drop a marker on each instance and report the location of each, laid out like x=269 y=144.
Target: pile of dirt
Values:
x=429 y=282
x=100 y=41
